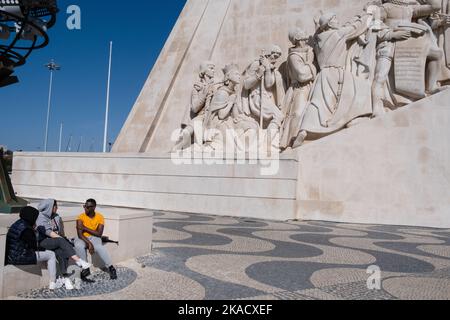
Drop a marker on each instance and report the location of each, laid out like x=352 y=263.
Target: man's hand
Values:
x=210 y=91
x=260 y=72
x=401 y=35
x=91 y=248
x=265 y=63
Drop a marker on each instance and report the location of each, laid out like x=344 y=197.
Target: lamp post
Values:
x=52 y=66
x=105 y=136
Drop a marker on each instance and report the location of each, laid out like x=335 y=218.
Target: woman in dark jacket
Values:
x=22 y=245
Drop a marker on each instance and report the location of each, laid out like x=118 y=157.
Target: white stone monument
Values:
x=357 y=145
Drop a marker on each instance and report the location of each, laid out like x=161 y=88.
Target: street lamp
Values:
x=23 y=29
x=52 y=66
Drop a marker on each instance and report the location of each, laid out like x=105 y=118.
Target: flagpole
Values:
x=60 y=136
x=105 y=137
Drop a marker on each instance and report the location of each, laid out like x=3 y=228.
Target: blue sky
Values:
x=138 y=31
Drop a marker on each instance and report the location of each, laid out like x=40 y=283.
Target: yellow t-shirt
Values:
x=92 y=223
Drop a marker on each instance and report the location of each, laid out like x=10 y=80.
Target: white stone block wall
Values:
x=156 y=183
x=393 y=170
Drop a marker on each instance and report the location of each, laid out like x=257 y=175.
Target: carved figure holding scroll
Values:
x=409 y=44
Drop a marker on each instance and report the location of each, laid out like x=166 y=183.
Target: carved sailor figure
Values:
x=301 y=73
x=334 y=100
x=195 y=113
x=264 y=89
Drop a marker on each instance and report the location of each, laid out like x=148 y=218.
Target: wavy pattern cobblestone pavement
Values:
x=207 y=257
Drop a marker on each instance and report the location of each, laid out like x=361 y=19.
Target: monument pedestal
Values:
x=158 y=183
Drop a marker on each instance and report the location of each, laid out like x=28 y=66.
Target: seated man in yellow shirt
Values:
x=90 y=226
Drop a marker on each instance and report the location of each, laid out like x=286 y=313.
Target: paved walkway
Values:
x=204 y=257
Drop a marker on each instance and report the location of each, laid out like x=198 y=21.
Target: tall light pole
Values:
x=52 y=66
x=60 y=136
x=105 y=137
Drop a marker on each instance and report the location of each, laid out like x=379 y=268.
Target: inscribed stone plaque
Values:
x=409 y=66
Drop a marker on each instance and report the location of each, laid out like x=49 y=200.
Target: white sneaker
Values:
x=59 y=283
x=53 y=286
x=68 y=284
x=77 y=284
x=83 y=264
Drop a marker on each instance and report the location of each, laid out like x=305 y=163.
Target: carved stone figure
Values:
x=225 y=113
x=335 y=99
x=411 y=45
x=264 y=91
x=387 y=57
x=201 y=95
x=440 y=24
x=219 y=113
x=301 y=73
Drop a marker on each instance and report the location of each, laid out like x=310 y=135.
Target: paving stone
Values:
x=282 y=272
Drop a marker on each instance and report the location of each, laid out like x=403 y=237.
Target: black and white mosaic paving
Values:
x=211 y=258
x=103 y=285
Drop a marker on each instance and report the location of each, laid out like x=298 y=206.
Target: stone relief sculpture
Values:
x=412 y=47
x=301 y=73
x=440 y=22
x=201 y=95
x=394 y=53
x=264 y=91
x=334 y=102
x=224 y=111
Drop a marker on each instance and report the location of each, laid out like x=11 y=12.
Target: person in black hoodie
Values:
x=22 y=245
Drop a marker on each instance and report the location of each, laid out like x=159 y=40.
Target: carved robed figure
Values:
x=333 y=103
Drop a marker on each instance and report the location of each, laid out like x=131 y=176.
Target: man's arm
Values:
x=303 y=72
x=254 y=75
x=80 y=232
x=428 y=9
x=357 y=27
x=198 y=98
x=96 y=233
x=29 y=237
x=60 y=222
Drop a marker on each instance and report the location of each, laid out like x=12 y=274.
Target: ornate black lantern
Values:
x=23 y=28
